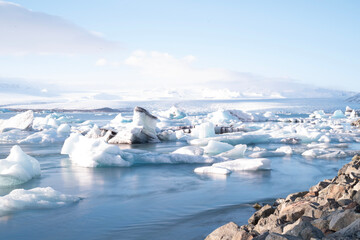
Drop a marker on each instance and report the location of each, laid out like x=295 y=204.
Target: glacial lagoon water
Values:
x=161 y=201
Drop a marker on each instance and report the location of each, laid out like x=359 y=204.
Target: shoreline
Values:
x=328 y=210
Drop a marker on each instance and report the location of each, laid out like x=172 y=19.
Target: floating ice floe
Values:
x=237 y=152
x=215 y=147
x=236 y=165
x=190 y=150
x=88 y=152
x=173 y=113
x=18 y=168
x=51 y=135
x=141 y=130
x=36 y=198
x=22 y=121
x=318 y=114
x=338 y=114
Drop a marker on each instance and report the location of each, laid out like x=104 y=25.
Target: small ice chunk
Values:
x=173 y=113
x=318 y=114
x=245 y=164
x=204 y=130
x=338 y=114
x=190 y=150
x=18 y=168
x=313 y=153
x=325 y=139
x=285 y=149
x=237 y=152
x=36 y=198
x=95 y=132
x=119 y=120
x=334 y=154
x=212 y=170
x=88 y=152
x=22 y=121
x=348 y=111
x=215 y=147
x=64 y=129
x=167 y=135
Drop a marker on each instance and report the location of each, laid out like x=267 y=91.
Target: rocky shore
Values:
x=329 y=210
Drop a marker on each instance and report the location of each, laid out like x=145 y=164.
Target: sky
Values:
x=128 y=44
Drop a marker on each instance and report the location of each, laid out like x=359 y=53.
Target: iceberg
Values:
x=36 y=198
x=89 y=152
x=18 y=168
x=142 y=129
x=22 y=121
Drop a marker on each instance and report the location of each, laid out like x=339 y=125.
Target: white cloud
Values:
x=24 y=31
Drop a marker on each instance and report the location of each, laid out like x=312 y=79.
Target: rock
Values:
x=264 y=212
x=304 y=229
x=342 y=219
x=294 y=196
x=226 y=232
x=277 y=236
x=322 y=223
x=356 y=197
x=257 y=206
x=350 y=232
x=321 y=185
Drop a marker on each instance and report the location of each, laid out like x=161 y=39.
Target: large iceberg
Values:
x=18 y=168
x=141 y=130
x=88 y=152
x=22 y=121
x=36 y=198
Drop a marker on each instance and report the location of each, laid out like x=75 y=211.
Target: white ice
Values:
x=237 y=152
x=215 y=147
x=18 y=168
x=235 y=165
x=190 y=150
x=88 y=152
x=204 y=130
x=22 y=121
x=36 y=198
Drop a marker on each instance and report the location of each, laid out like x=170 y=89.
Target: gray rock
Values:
x=294 y=196
x=304 y=229
x=277 y=236
x=264 y=212
x=350 y=232
x=342 y=219
x=225 y=232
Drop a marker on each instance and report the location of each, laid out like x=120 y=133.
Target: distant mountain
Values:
x=354 y=99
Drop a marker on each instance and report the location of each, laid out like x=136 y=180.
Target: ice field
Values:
x=195 y=166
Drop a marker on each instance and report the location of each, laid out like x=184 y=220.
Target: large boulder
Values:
x=226 y=232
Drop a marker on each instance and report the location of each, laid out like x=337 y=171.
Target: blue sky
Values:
x=132 y=43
